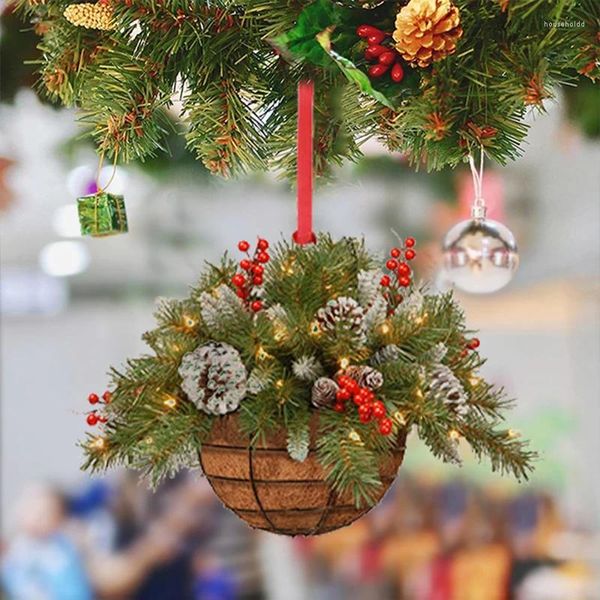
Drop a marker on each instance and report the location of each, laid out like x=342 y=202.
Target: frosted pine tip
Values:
x=90 y=16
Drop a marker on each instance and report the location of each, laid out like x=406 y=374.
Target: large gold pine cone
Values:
x=427 y=31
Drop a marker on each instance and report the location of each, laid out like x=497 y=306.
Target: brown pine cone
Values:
x=364 y=375
x=323 y=392
x=427 y=31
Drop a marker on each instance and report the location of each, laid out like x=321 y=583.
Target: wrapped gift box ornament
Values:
x=102 y=214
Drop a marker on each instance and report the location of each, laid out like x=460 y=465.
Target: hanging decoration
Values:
x=427 y=31
x=480 y=255
x=431 y=79
x=298 y=413
x=102 y=214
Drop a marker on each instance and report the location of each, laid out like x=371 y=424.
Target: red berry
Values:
x=245 y=264
x=244 y=246
x=464 y=353
x=256 y=305
x=364 y=413
x=375 y=38
x=374 y=52
x=263 y=257
x=93 y=399
x=342 y=395
x=368 y=394
x=92 y=419
x=107 y=397
x=410 y=254
x=385 y=280
x=352 y=386
x=262 y=244
x=395 y=252
x=391 y=264
x=343 y=380
x=378 y=409
x=339 y=407
x=404 y=281
x=397 y=73
x=378 y=70
x=403 y=269
x=257 y=280
x=387 y=58
x=409 y=242
x=361 y=397
x=366 y=30
x=238 y=280
x=474 y=344
x=102 y=419
x=258 y=269
x=385 y=426
x=242 y=293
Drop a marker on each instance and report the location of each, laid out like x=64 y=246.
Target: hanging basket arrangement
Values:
x=430 y=78
x=292 y=377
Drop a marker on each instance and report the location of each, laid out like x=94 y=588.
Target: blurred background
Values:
x=72 y=306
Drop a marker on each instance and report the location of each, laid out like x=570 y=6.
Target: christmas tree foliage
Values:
x=318 y=331
x=431 y=78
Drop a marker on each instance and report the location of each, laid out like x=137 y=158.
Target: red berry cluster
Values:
x=369 y=407
x=400 y=271
x=471 y=344
x=252 y=273
x=386 y=57
x=94 y=417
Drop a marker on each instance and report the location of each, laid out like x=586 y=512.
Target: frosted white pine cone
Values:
x=444 y=386
x=376 y=314
x=369 y=286
x=214 y=378
x=412 y=305
x=388 y=353
x=219 y=307
x=342 y=314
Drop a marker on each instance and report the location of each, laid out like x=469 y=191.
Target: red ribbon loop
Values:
x=304 y=234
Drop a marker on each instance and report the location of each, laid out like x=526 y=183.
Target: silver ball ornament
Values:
x=480 y=256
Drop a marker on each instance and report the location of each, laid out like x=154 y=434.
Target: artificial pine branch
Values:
x=238 y=89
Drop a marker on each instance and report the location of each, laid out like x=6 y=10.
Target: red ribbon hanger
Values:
x=304 y=233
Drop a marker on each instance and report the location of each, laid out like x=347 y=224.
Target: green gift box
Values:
x=102 y=214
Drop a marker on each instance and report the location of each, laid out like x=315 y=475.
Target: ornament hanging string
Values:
x=99 y=188
x=478 y=209
x=304 y=233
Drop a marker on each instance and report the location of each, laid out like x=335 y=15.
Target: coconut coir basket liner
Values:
x=270 y=491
